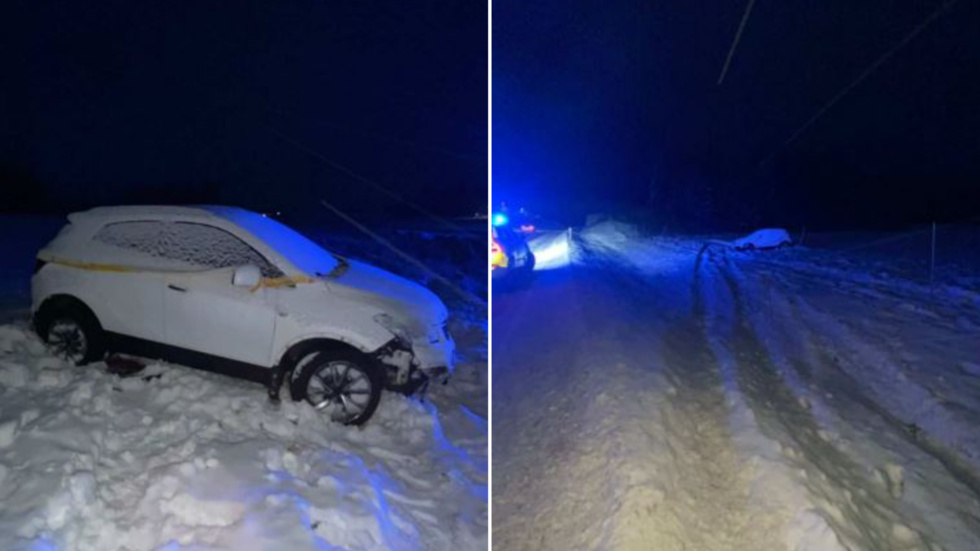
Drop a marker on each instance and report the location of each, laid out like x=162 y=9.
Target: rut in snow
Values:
x=859 y=510
x=851 y=451
x=639 y=449
x=710 y=502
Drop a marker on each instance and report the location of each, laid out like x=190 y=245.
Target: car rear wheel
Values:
x=72 y=333
x=342 y=384
x=531 y=261
x=523 y=277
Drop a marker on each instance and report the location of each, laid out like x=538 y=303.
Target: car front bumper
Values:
x=433 y=358
x=410 y=364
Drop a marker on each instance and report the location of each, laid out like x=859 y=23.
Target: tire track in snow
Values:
x=748 y=385
x=860 y=513
x=941 y=428
x=919 y=480
x=852 y=480
x=712 y=503
x=636 y=449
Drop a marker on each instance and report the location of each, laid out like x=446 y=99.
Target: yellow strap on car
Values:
x=284 y=281
x=271 y=282
x=92 y=265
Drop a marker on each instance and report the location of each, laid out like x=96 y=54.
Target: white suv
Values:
x=228 y=290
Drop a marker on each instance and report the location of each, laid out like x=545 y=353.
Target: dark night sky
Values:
x=123 y=102
x=595 y=100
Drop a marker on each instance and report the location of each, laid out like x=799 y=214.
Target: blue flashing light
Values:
x=499 y=219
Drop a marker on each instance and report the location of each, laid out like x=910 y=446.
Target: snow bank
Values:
x=176 y=458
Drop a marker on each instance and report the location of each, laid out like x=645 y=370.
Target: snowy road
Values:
x=647 y=397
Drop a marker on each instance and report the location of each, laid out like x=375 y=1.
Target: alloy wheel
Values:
x=67 y=340
x=340 y=389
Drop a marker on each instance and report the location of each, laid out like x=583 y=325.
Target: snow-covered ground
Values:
x=175 y=458
x=813 y=398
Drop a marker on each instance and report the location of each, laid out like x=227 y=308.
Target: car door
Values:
x=203 y=310
x=127 y=295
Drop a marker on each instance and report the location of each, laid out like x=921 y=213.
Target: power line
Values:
x=377 y=136
x=338 y=166
x=862 y=77
x=735 y=41
x=360 y=178
x=465 y=295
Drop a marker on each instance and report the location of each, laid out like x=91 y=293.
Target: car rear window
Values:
x=143 y=237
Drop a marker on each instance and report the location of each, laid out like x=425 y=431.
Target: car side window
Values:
x=140 y=236
x=204 y=245
x=185 y=243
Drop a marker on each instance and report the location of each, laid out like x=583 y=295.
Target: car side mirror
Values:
x=247 y=276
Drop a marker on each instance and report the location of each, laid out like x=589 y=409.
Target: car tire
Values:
x=525 y=277
x=339 y=381
x=72 y=332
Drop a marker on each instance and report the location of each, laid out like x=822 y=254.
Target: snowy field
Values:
x=815 y=398
x=175 y=458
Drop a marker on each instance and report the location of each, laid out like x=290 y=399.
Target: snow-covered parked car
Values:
x=770 y=238
x=231 y=291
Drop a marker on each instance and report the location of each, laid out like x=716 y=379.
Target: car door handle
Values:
x=173 y=287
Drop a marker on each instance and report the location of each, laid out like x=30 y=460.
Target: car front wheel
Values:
x=341 y=384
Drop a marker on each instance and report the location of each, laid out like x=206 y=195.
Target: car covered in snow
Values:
x=769 y=238
x=232 y=291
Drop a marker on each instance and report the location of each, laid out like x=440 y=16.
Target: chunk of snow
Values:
x=13 y=375
x=194 y=512
x=895 y=477
x=8 y=431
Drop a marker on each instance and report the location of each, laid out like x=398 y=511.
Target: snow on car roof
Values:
x=125 y=212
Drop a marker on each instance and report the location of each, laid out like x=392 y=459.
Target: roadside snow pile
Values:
x=611 y=234
x=618 y=243
x=900 y=261
x=175 y=458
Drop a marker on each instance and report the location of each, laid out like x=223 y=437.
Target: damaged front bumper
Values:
x=410 y=366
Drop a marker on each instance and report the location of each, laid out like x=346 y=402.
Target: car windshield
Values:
x=299 y=250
